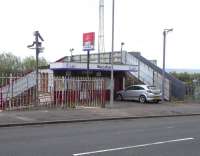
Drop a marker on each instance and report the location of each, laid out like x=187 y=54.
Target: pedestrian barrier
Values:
x=72 y=92
x=19 y=93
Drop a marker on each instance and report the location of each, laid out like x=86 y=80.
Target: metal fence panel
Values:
x=19 y=92
x=193 y=92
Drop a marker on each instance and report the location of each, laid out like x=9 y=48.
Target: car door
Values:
x=128 y=93
x=138 y=91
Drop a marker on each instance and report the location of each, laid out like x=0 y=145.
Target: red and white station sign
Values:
x=88 y=41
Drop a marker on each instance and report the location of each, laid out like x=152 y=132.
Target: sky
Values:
x=138 y=23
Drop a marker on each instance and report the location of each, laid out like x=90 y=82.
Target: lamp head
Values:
x=168 y=30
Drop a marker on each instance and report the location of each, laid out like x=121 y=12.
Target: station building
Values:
x=128 y=68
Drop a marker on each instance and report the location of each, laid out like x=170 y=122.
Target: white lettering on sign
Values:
x=103 y=66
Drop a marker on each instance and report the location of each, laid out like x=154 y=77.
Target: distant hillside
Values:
x=183 y=70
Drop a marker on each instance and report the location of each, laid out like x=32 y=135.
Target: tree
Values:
x=29 y=63
x=9 y=63
x=186 y=77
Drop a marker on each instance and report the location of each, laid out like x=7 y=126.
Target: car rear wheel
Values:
x=119 y=97
x=142 y=99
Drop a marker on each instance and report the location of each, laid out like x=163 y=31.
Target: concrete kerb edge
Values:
x=91 y=120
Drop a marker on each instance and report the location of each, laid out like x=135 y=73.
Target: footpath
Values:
x=119 y=111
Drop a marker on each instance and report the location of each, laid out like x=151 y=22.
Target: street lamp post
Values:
x=122 y=43
x=112 y=73
x=163 y=71
x=71 y=50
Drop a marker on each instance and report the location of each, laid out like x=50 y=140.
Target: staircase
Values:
x=18 y=85
x=20 y=91
x=149 y=73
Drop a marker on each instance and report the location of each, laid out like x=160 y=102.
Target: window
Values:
x=130 y=88
x=138 y=88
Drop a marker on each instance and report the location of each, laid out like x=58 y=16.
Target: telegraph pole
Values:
x=163 y=70
x=112 y=72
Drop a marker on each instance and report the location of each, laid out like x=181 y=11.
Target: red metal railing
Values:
x=63 y=92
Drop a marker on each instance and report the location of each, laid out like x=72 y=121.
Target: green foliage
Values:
x=192 y=85
x=10 y=63
x=29 y=63
x=186 y=77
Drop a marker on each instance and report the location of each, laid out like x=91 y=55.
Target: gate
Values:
x=73 y=92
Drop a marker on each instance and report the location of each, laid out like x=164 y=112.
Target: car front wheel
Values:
x=142 y=99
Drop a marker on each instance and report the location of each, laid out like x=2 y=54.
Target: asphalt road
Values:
x=140 y=137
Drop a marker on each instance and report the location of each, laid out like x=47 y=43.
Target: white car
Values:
x=142 y=93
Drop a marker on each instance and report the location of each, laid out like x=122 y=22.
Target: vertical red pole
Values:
x=104 y=93
x=55 y=93
x=1 y=99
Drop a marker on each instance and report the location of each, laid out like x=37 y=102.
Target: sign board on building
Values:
x=88 y=41
x=97 y=67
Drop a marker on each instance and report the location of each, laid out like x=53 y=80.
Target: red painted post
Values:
x=1 y=99
x=104 y=94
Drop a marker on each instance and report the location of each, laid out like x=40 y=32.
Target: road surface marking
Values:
x=170 y=127
x=129 y=147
